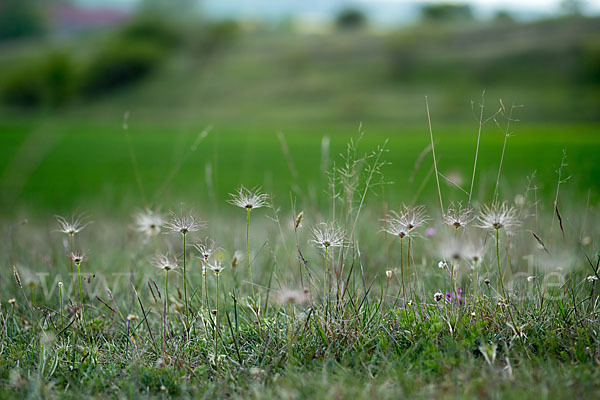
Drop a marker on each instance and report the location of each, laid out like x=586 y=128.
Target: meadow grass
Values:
x=496 y=297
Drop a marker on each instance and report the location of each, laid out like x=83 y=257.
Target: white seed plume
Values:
x=328 y=235
x=474 y=252
x=496 y=217
x=414 y=217
x=184 y=224
x=249 y=198
x=73 y=226
x=216 y=266
x=207 y=248
x=164 y=262
x=457 y=216
x=395 y=225
x=291 y=296
x=149 y=222
x=77 y=257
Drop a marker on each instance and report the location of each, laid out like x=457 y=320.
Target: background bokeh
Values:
x=199 y=97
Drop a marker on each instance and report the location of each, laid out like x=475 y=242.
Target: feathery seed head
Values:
x=238 y=256
x=496 y=217
x=149 y=222
x=291 y=296
x=414 y=217
x=132 y=317
x=77 y=258
x=457 y=216
x=328 y=235
x=389 y=273
x=474 y=252
x=184 y=224
x=217 y=266
x=164 y=262
x=395 y=225
x=72 y=226
x=207 y=248
x=452 y=249
x=249 y=198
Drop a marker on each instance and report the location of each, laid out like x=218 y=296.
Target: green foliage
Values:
x=350 y=18
x=120 y=63
x=134 y=53
x=446 y=12
x=42 y=81
x=20 y=18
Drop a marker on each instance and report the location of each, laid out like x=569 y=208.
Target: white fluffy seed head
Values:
x=328 y=235
x=497 y=217
x=164 y=262
x=249 y=198
x=75 y=225
x=149 y=222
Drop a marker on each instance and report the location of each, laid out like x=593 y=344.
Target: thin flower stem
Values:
x=498 y=261
x=402 y=267
x=60 y=296
x=248 y=250
x=71 y=252
x=167 y=288
x=217 y=320
x=80 y=295
x=204 y=297
x=185 y=282
x=325 y=277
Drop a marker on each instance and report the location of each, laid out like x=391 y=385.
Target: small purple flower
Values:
x=430 y=231
x=456 y=297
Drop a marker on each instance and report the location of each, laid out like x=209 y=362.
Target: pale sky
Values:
x=536 y=6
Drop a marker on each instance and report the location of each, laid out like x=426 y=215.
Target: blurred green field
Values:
x=67 y=164
x=311 y=86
